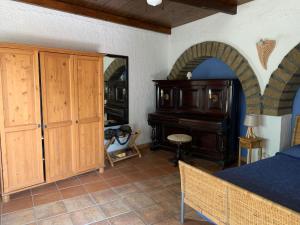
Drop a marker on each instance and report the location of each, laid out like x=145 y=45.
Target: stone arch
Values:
x=196 y=54
x=283 y=85
x=113 y=67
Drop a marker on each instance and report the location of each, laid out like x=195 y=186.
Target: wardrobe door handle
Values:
x=39 y=125
x=76 y=121
x=45 y=126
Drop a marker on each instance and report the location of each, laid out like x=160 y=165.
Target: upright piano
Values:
x=208 y=110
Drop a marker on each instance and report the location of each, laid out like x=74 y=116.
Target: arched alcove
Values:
x=213 y=68
x=283 y=85
x=196 y=54
x=113 y=67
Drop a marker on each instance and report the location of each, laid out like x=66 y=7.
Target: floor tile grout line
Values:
x=18 y=197
x=53 y=204
x=133 y=183
x=99 y=190
x=2 y=203
x=1 y=213
x=95 y=203
x=92 y=198
x=140 y=217
x=68 y=213
x=61 y=200
x=80 y=181
x=107 y=218
x=65 y=213
x=83 y=184
x=75 y=185
x=58 y=188
x=69 y=187
x=33 y=209
x=112 y=188
x=61 y=195
x=51 y=217
x=42 y=193
x=111 y=217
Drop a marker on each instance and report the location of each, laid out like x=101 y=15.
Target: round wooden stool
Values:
x=179 y=139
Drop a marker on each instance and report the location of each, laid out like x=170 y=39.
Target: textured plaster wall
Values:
x=151 y=55
x=147 y=51
x=276 y=19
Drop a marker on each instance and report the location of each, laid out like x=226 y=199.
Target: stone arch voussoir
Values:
x=283 y=85
x=198 y=53
x=113 y=67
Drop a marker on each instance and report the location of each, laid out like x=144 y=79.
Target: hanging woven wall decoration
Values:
x=265 y=49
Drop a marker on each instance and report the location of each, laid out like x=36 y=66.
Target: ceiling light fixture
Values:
x=154 y=2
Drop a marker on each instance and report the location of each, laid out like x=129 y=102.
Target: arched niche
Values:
x=196 y=54
x=117 y=64
x=283 y=85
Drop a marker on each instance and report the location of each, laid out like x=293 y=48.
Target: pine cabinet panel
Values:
x=17 y=70
x=88 y=87
x=89 y=105
x=58 y=146
x=21 y=142
x=51 y=115
x=57 y=79
x=58 y=95
x=88 y=148
x=23 y=166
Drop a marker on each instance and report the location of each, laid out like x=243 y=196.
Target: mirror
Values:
x=116 y=90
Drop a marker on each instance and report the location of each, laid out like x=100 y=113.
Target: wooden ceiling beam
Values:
x=97 y=14
x=229 y=7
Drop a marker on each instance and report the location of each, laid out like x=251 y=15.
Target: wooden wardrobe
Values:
x=51 y=115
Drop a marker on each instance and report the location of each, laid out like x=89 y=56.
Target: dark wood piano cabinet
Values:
x=208 y=110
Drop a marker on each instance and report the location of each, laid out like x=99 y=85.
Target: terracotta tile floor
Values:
x=137 y=191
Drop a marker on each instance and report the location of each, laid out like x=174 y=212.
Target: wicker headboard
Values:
x=296 y=133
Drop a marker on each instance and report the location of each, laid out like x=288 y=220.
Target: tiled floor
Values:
x=135 y=192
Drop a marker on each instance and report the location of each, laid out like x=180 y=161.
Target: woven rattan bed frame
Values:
x=227 y=204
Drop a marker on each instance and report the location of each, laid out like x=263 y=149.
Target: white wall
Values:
x=152 y=55
x=147 y=51
x=276 y=132
x=276 y=19
x=286 y=131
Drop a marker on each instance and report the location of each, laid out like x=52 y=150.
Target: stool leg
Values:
x=178 y=154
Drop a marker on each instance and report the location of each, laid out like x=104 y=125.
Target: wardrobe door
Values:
x=89 y=104
x=57 y=101
x=21 y=142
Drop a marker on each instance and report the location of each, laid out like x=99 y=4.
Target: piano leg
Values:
x=155 y=143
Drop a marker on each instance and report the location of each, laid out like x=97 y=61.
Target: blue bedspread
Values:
x=276 y=178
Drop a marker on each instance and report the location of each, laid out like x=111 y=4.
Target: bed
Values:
x=266 y=192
